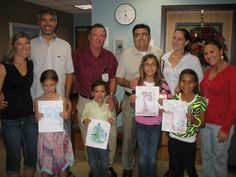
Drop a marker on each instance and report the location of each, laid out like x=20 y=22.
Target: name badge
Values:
x=105 y=77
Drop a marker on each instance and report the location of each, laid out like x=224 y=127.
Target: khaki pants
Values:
x=129 y=134
x=113 y=132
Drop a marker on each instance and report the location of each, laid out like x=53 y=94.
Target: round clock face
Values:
x=125 y=14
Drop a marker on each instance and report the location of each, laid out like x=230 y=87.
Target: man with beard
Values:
x=50 y=52
x=127 y=76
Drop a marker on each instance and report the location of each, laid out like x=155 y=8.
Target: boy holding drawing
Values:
x=98 y=157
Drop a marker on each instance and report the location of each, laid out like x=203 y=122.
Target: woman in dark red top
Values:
x=219 y=88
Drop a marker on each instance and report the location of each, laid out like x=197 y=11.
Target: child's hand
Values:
x=132 y=100
x=177 y=89
x=38 y=116
x=160 y=101
x=111 y=120
x=161 y=111
x=86 y=121
x=190 y=117
x=64 y=115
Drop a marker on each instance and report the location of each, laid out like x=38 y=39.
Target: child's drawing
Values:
x=98 y=134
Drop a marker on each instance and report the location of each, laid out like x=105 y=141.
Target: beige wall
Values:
x=19 y=11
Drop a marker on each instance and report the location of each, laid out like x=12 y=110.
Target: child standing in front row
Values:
x=98 y=109
x=55 y=152
x=183 y=146
x=148 y=129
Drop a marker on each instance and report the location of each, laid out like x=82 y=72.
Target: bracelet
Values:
x=199 y=123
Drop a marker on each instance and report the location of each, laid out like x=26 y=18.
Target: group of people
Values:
x=42 y=69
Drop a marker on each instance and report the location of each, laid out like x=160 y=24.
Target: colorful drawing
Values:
x=146 y=103
x=51 y=120
x=174 y=118
x=98 y=134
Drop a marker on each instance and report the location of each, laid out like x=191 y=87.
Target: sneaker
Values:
x=112 y=172
x=127 y=173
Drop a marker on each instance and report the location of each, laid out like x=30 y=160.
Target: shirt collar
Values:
x=137 y=52
x=43 y=40
x=102 y=53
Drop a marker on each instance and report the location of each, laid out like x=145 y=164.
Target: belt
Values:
x=87 y=97
x=127 y=93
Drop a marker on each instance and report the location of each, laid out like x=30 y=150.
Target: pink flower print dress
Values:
x=55 y=152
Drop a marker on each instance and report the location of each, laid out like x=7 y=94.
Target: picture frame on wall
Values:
x=31 y=30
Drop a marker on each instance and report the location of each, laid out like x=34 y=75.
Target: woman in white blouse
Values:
x=175 y=61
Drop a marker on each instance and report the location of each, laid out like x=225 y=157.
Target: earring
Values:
x=222 y=57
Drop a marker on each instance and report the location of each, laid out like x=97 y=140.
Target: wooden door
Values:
x=82 y=36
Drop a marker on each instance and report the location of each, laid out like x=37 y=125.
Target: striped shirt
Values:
x=197 y=105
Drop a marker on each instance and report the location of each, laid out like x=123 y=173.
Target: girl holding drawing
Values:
x=55 y=152
x=183 y=146
x=148 y=129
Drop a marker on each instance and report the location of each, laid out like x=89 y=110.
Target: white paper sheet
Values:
x=98 y=134
x=146 y=103
x=174 y=117
x=51 y=120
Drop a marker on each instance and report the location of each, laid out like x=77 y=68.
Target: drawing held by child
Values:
x=55 y=152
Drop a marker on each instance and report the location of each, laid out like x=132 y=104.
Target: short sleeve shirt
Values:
x=130 y=60
x=57 y=56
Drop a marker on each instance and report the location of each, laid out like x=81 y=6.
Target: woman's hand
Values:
x=222 y=137
x=3 y=103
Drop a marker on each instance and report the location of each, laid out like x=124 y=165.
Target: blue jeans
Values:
x=148 y=137
x=17 y=133
x=98 y=161
x=214 y=153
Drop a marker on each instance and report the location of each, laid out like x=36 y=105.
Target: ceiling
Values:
x=63 y=5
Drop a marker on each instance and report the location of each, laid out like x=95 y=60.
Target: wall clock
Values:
x=125 y=14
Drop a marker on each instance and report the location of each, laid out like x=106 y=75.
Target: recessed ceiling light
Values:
x=84 y=7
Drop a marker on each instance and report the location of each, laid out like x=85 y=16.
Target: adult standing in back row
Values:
x=19 y=128
x=175 y=61
x=50 y=52
x=219 y=88
x=127 y=77
x=96 y=63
